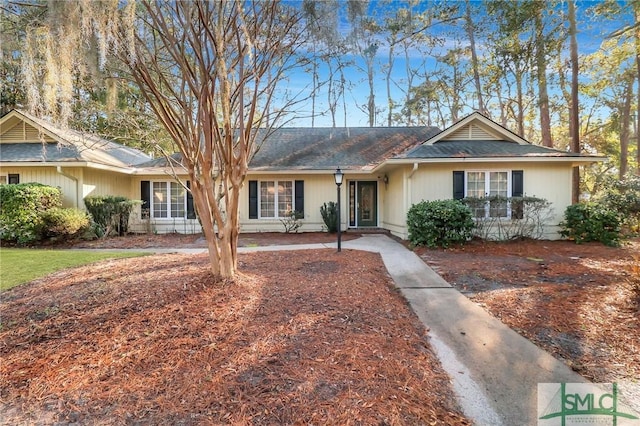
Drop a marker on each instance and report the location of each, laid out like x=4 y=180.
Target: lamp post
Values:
x=338 y=178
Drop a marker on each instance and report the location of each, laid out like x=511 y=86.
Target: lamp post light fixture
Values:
x=338 y=175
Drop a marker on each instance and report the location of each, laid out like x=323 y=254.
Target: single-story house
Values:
x=386 y=170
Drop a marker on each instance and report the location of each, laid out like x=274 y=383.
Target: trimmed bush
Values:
x=528 y=217
x=586 y=222
x=291 y=221
x=439 y=223
x=329 y=212
x=59 y=222
x=21 y=209
x=110 y=213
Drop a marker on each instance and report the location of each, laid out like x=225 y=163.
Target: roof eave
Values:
x=87 y=164
x=536 y=159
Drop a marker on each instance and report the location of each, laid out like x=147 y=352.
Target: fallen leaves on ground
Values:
x=301 y=337
x=579 y=302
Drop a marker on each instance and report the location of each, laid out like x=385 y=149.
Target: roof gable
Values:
x=26 y=138
x=15 y=128
x=477 y=137
x=476 y=127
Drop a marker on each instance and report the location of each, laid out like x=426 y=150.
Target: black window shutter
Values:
x=14 y=179
x=517 y=190
x=253 y=199
x=145 y=194
x=517 y=183
x=458 y=185
x=191 y=212
x=299 y=203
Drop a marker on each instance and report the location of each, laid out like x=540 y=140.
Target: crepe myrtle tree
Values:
x=209 y=71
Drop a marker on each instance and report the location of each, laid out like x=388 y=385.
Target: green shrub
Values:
x=110 y=213
x=21 y=209
x=439 y=223
x=59 y=222
x=624 y=198
x=586 y=222
x=329 y=212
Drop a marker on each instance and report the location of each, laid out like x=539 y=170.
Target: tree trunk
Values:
x=474 y=57
x=388 y=82
x=625 y=128
x=636 y=15
x=543 y=95
x=574 y=122
x=520 y=118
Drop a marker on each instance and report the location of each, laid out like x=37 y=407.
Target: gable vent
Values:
x=23 y=133
x=471 y=132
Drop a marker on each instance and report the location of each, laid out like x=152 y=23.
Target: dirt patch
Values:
x=579 y=302
x=154 y=340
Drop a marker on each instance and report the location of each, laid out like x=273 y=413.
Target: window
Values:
x=495 y=187
x=168 y=200
x=11 y=178
x=264 y=196
x=276 y=199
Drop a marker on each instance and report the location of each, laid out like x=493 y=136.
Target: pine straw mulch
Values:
x=579 y=302
x=197 y=240
x=304 y=337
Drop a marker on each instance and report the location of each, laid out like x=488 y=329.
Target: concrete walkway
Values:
x=495 y=371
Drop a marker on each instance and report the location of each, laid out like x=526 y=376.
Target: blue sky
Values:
x=591 y=34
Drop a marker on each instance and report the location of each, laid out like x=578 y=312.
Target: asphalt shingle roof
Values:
x=329 y=148
x=323 y=148
x=37 y=152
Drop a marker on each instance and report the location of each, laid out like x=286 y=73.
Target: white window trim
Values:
x=487 y=187
x=275 y=201
x=6 y=179
x=168 y=202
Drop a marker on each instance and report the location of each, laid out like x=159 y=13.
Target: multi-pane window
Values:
x=169 y=200
x=12 y=178
x=276 y=199
x=492 y=185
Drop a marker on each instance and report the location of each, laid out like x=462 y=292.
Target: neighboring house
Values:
x=386 y=171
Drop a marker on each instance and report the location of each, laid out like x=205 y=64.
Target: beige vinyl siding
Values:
x=101 y=182
x=318 y=189
x=50 y=176
x=393 y=199
x=551 y=182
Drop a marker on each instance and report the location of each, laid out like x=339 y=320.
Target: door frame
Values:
x=353 y=202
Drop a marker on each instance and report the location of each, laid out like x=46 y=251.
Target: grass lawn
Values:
x=18 y=266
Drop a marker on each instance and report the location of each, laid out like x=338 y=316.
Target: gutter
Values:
x=458 y=160
x=73 y=178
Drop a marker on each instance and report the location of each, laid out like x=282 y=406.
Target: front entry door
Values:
x=367 y=203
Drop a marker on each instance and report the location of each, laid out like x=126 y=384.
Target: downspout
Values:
x=410 y=187
x=73 y=178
